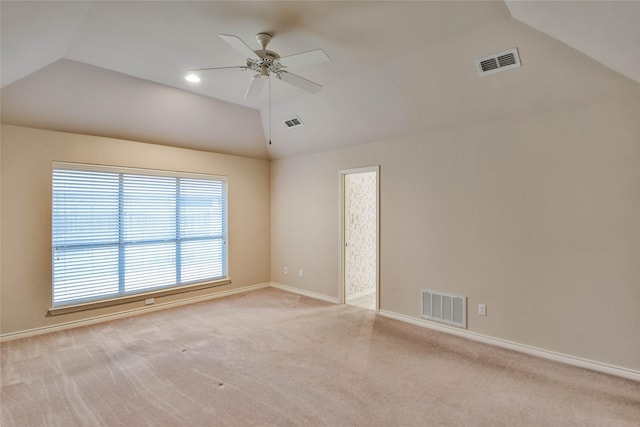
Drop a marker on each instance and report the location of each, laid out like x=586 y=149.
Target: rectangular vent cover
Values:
x=293 y=122
x=498 y=62
x=446 y=308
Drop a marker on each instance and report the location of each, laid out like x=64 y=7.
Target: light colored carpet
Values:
x=271 y=358
x=366 y=301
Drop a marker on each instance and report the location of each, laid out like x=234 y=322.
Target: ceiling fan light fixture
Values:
x=192 y=78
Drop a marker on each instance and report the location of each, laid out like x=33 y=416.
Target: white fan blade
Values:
x=240 y=46
x=299 y=82
x=242 y=67
x=304 y=58
x=255 y=87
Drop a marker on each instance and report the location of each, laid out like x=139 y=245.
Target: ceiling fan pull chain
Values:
x=269 y=109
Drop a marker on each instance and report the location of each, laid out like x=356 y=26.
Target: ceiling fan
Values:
x=266 y=63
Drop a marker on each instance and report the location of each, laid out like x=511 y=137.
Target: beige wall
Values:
x=26 y=215
x=538 y=217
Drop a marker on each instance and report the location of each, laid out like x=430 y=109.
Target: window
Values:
x=118 y=232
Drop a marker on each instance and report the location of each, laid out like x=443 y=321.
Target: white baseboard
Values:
x=309 y=294
x=127 y=313
x=522 y=348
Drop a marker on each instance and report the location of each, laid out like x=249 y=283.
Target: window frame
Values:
x=176 y=288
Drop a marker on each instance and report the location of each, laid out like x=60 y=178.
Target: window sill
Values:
x=73 y=308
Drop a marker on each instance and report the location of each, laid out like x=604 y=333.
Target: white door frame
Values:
x=343 y=173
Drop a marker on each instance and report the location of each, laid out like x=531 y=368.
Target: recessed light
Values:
x=192 y=78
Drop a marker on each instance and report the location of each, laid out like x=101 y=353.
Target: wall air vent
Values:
x=293 y=122
x=498 y=62
x=446 y=308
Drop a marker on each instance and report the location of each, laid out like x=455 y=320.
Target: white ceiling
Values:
x=117 y=68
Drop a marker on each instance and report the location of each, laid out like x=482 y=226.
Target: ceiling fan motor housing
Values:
x=268 y=62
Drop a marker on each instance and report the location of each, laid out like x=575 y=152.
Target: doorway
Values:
x=359 y=236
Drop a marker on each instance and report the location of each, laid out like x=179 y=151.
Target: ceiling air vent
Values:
x=293 y=122
x=498 y=62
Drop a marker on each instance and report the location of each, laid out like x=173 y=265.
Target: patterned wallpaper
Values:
x=360 y=234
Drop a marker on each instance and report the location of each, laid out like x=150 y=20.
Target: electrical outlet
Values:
x=149 y=301
x=285 y=269
x=300 y=273
x=482 y=309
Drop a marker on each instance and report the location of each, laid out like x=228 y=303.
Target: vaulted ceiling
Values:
x=397 y=68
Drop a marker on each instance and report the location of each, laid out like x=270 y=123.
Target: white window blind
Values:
x=117 y=231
